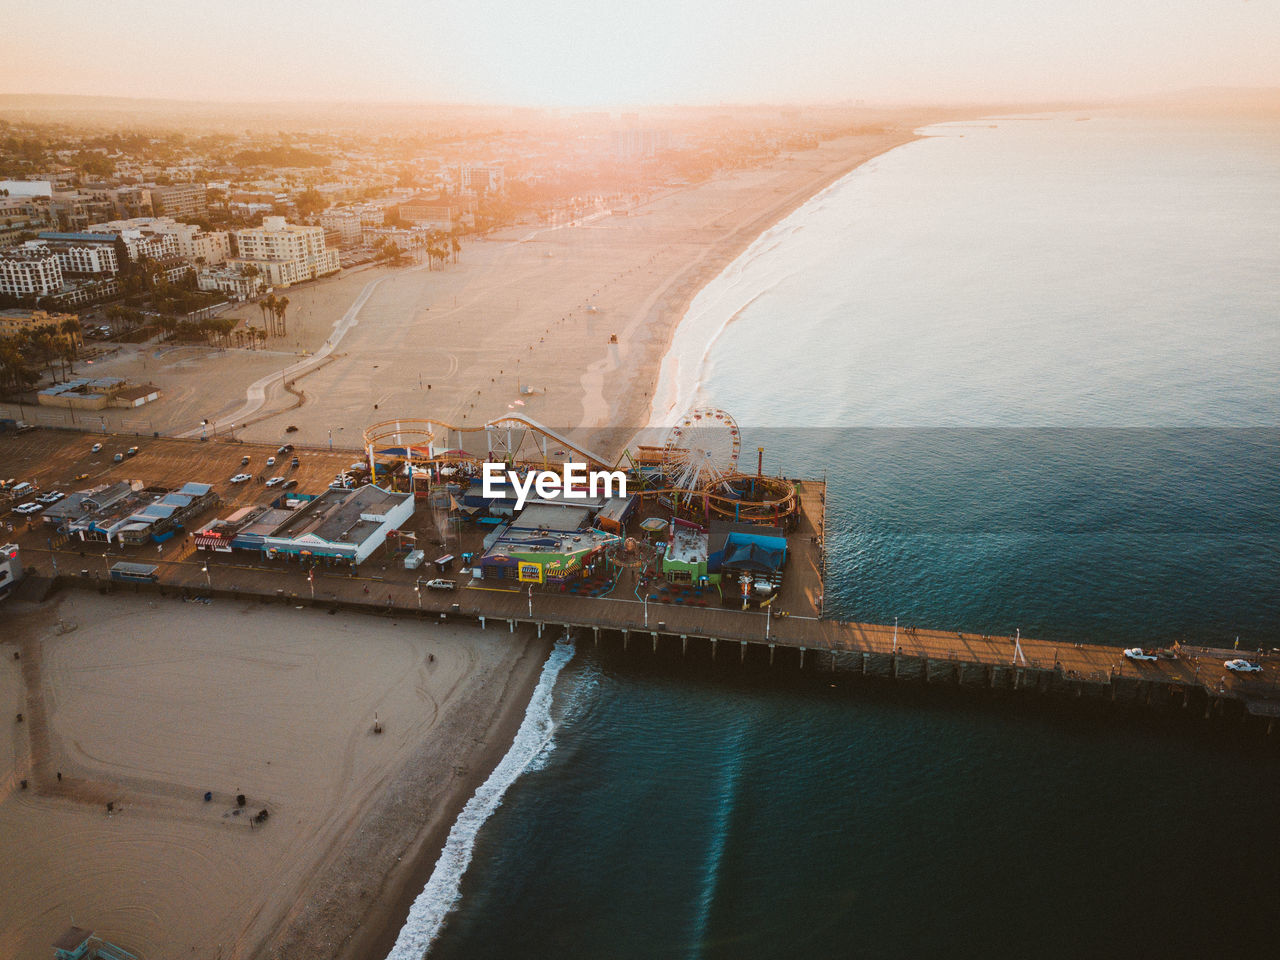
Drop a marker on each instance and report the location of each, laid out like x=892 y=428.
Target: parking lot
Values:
x=65 y=461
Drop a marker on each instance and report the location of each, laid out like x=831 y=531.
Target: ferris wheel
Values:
x=701 y=451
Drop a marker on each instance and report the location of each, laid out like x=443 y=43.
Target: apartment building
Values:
x=482 y=179
x=189 y=241
x=27 y=272
x=23 y=217
x=180 y=200
x=434 y=213
x=343 y=225
x=81 y=253
x=76 y=210
x=285 y=253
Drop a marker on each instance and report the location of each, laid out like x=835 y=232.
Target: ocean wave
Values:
x=441 y=893
x=731 y=774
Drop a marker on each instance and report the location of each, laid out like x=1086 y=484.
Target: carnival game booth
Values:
x=548 y=542
x=749 y=559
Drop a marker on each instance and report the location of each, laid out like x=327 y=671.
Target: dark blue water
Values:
x=692 y=809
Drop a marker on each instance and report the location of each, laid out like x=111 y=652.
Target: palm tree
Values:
x=13 y=366
x=279 y=309
x=454 y=244
x=265 y=304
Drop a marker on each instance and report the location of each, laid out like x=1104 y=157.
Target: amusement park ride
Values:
x=693 y=470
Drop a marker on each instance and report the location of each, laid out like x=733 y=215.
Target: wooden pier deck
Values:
x=801 y=639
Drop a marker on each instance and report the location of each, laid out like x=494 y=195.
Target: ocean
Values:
x=1038 y=361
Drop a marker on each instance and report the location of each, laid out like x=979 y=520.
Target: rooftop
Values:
x=337 y=516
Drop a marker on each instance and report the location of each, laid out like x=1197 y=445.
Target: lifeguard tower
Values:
x=80 y=944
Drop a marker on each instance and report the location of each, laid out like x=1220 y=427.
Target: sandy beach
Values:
x=147 y=704
x=526 y=315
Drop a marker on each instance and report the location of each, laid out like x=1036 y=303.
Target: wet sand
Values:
x=148 y=704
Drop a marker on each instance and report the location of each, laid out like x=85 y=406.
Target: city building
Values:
x=189 y=241
x=77 y=292
x=130 y=514
x=345 y=226
x=26 y=188
x=180 y=200
x=482 y=179
x=343 y=525
x=631 y=143
x=127 y=201
x=75 y=210
x=21 y=218
x=17 y=322
x=97 y=394
x=81 y=254
x=285 y=253
x=228 y=280
x=29 y=272
x=433 y=213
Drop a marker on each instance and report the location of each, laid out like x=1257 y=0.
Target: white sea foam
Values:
x=750 y=276
x=440 y=895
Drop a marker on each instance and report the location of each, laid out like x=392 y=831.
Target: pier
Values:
x=790 y=634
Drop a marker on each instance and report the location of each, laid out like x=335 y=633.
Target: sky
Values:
x=566 y=53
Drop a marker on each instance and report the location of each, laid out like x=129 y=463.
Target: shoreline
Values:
x=365 y=943
x=706 y=276
x=632 y=405
x=378 y=928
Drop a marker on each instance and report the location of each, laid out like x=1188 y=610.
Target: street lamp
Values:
x=207 y=579
x=417 y=588
x=531 y=600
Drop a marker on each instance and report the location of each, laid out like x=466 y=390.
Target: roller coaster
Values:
x=694 y=471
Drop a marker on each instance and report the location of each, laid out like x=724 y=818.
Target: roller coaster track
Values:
x=425 y=432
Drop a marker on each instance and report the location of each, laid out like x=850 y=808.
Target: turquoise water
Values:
x=1039 y=360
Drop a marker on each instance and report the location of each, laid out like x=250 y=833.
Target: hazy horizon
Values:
x=566 y=53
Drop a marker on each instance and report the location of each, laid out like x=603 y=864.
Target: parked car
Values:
x=275 y=481
x=118 y=458
x=95 y=448
x=289 y=485
x=442 y=584
x=131 y=452
x=244 y=461
x=53 y=496
x=294 y=462
x=286 y=448
x=1243 y=666
x=271 y=461
x=241 y=478
x=1137 y=653
x=28 y=508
